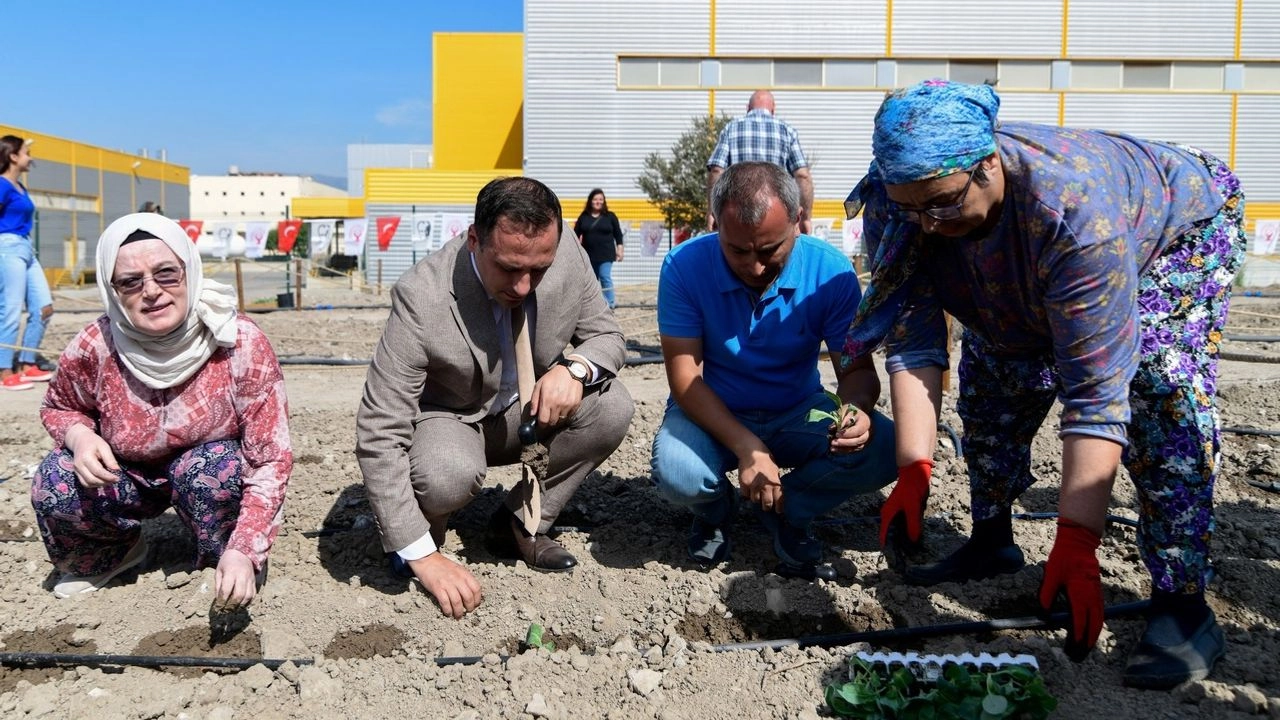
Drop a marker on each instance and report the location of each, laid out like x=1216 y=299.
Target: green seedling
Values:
x=533 y=639
x=961 y=693
x=840 y=418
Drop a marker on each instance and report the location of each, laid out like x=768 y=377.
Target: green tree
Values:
x=677 y=182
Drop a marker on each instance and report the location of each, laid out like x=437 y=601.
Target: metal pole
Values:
x=379 y=277
x=297 y=276
x=239 y=285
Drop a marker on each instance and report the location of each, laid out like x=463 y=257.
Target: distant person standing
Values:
x=601 y=236
x=22 y=280
x=758 y=136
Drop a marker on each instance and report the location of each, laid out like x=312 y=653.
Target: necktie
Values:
x=531 y=497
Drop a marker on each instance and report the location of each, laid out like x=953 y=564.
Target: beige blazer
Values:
x=439 y=357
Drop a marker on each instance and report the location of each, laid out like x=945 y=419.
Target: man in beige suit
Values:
x=441 y=401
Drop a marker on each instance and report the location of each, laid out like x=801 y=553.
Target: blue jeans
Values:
x=689 y=465
x=22 y=282
x=604 y=273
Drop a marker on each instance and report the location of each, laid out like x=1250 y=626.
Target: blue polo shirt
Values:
x=758 y=355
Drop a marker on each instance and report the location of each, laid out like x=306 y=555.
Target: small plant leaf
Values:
x=816 y=415
x=996 y=705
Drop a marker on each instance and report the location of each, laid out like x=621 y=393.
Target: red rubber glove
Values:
x=908 y=498
x=1073 y=569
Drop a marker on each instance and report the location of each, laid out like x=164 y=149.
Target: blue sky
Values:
x=273 y=85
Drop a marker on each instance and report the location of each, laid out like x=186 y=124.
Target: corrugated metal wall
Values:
x=1260 y=28
x=580 y=132
x=1258 y=147
x=1200 y=120
x=1160 y=28
x=982 y=28
x=816 y=27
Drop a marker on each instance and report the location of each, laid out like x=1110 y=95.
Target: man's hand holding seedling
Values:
x=849 y=429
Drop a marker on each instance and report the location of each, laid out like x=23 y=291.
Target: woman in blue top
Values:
x=22 y=280
x=1088 y=267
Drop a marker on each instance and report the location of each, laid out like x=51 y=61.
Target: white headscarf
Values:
x=162 y=362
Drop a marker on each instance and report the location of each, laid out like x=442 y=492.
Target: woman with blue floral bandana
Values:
x=1089 y=267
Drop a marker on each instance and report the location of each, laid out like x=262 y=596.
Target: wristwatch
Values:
x=578 y=370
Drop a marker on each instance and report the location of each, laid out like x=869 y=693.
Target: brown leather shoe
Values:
x=538 y=551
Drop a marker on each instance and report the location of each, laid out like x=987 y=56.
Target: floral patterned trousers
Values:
x=1174 y=438
x=88 y=531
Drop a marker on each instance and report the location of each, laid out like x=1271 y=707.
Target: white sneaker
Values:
x=69 y=584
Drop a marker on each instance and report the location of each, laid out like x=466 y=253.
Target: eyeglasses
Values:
x=165 y=277
x=941 y=212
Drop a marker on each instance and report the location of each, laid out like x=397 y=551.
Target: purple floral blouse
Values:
x=1085 y=214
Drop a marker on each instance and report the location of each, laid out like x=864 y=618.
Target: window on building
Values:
x=1096 y=75
x=797 y=72
x=1146 y=75
x=638 y=72
x=1262 y=76
x=1197 y=76
x=681 y=72
x=974 y=72
x=745 y=73
x=851 y=73
x=1034 y=74
x=911 y=72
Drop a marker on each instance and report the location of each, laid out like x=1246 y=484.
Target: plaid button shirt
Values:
x=758 y=136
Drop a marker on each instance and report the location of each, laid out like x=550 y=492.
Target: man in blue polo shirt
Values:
x=742 y=315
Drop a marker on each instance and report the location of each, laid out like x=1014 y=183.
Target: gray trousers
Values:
x=449 y=459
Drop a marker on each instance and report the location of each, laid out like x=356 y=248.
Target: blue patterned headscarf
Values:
x=933 y=129
x=929 y=130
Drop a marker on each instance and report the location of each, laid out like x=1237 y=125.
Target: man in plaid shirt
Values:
x=760 y=137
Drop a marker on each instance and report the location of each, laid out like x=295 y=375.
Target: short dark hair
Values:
x=749 y=186
x=980 y=175
x=9 y=145
x=522 y=201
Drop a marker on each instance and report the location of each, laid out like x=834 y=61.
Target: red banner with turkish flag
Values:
x=287 y=234
x=387 y=230
x=192 y=228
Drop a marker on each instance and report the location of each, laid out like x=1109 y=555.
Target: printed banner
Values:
x=255 y=238
x=192 y=228
x=287 y=234
x=1266 y=233
x=852 y=237
x=452 y=226
x=651 y=232
x=387 y=230
x=822 y=228
x=422 y=227
x=353 y=235
x=322 y=232
x=223 y=234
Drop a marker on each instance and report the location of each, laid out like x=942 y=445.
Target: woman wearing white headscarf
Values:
x=171 y=398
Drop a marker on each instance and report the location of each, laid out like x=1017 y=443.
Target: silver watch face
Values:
x=578 y=370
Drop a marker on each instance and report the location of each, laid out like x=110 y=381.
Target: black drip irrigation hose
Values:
x=973 y=627
x=36 y=659
x=1050 y=622
x=955 y=437
x=1251 y=431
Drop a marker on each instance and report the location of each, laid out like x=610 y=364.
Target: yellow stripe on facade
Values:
x=888 y=28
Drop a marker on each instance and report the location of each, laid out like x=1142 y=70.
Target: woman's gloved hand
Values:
x=1073 y=569
x=907 y=499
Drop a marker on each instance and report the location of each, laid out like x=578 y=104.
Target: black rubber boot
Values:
x=1181 y=642
x=989 y=552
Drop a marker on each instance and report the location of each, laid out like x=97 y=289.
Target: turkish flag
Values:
x=192 y=228
x=287 y=234
x=387 y=230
